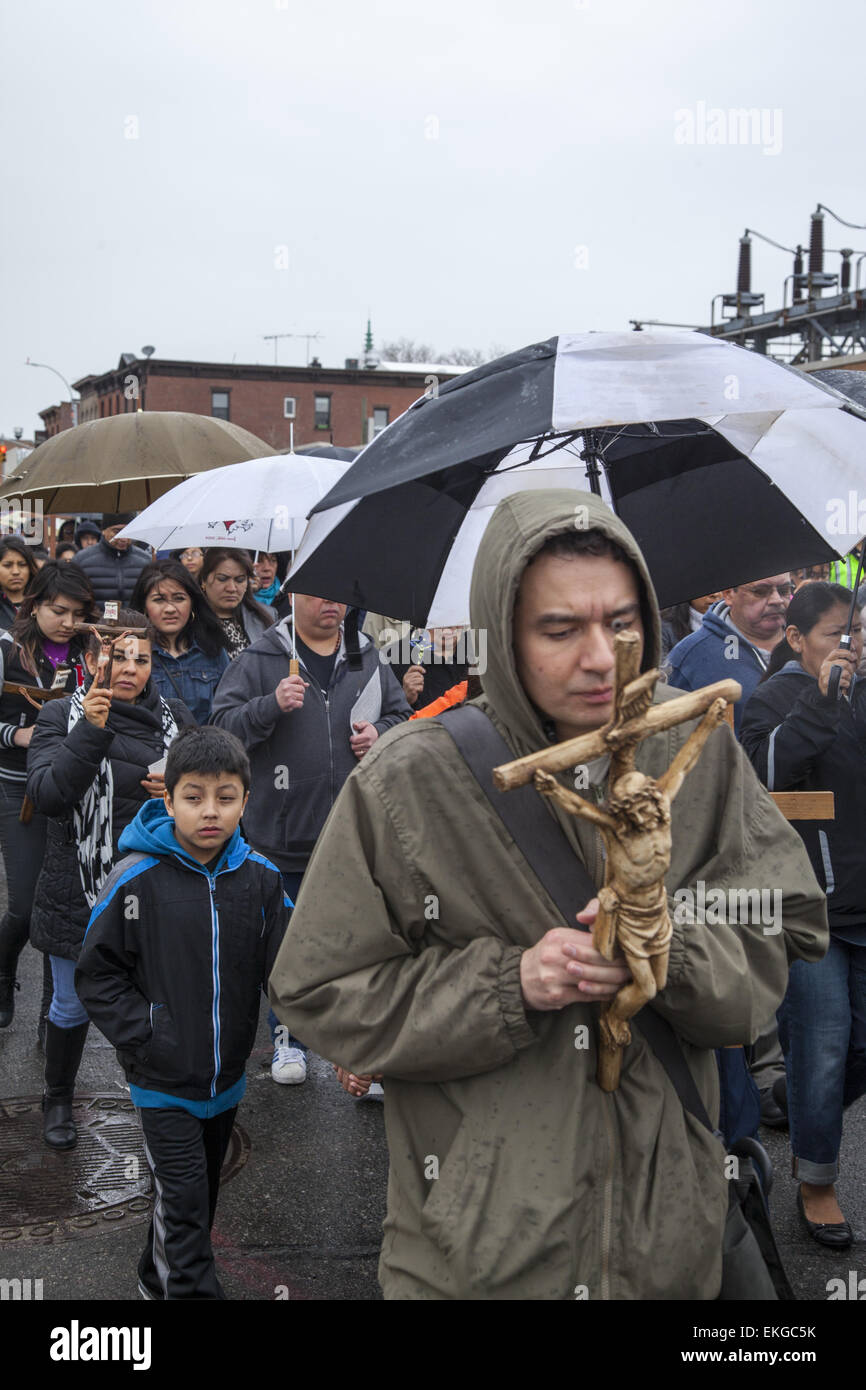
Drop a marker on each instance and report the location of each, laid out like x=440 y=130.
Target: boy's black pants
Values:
x=185 y=1156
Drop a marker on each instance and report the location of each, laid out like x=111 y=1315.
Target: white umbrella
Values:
x=274 y=493
x=261 y=504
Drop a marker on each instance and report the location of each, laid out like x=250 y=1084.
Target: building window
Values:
x=322 y=408
x=380 y=418
x=288 y=407
x=219 y=405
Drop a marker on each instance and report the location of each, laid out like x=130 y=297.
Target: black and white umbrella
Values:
x=725 y=465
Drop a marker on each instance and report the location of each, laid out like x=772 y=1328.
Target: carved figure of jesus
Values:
x=633 y=908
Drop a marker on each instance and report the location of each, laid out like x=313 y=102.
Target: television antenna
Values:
x=275 y=338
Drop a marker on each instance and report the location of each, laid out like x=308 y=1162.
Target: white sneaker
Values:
x=289 y=1066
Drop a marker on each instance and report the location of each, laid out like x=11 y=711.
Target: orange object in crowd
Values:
x=455 y=696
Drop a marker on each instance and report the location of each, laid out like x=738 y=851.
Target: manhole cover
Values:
x=47 y=1195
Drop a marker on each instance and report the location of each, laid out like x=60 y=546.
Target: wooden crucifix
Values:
x=109 y=635
x=635 y=826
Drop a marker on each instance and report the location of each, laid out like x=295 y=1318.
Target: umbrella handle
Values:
x=294 y=666
x=836 y=670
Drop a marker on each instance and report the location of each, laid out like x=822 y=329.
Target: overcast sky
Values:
x=194 y=174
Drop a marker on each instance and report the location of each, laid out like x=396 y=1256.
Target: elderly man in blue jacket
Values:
x=304 y=734
x=736 y=639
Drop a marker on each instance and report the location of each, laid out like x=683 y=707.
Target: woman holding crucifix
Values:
x=94 y=760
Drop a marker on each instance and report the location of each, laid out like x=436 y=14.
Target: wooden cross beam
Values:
x=634 y=717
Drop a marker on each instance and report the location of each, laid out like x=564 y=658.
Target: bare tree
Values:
x=407 y=350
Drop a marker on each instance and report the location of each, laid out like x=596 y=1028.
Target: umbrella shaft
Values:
x=592 y=457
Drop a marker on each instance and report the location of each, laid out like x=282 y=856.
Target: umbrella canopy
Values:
x=725 y=465
x=122 y=462
x=851 y=384
x=348 y=453
x=275 y=494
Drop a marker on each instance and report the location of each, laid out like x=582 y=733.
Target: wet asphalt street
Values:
x=301 y=1216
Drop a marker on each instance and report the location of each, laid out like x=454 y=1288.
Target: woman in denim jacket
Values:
x=191 y=653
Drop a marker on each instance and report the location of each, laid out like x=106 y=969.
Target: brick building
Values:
x=345 y=406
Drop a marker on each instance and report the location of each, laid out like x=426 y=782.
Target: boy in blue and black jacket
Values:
x=179 y=946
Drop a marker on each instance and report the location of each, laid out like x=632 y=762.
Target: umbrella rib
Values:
x=563 y=441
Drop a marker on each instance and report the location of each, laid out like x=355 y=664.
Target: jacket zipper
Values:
x=325 y=694
x=330 y=748
x=215 y=961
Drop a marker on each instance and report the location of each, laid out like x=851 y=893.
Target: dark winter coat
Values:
x=112 y=573
x=299 y=760
x=60 y=768
x=16 y=712
x=801 y=740
x=8 y=613
x=176 y=983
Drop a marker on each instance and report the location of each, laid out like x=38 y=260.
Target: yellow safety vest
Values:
x=845 y=571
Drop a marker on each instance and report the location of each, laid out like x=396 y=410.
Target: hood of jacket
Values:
x=518 y=529
x=717 y=620
x=280 y=638
x=152 y=832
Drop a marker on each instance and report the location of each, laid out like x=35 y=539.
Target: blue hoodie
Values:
x=174 y=962
x=717 y=652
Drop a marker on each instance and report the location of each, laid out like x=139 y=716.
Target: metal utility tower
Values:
x=811 y=324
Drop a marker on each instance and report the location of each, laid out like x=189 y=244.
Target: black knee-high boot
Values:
x=63 y=1049
x=13 y=936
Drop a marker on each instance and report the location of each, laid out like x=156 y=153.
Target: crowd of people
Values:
x=780 y=638
x=133 y=740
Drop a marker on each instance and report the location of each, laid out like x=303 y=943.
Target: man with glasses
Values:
x=735 y=639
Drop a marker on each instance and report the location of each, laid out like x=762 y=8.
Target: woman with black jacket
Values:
x=41 y=651
x=800 y=739
x=89 y=771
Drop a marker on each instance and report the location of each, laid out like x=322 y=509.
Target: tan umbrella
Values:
x=124 y=462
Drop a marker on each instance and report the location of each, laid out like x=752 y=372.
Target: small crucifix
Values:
x=635 y=826
x=108 y=636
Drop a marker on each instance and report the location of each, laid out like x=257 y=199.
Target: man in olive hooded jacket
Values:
x=424 y=947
